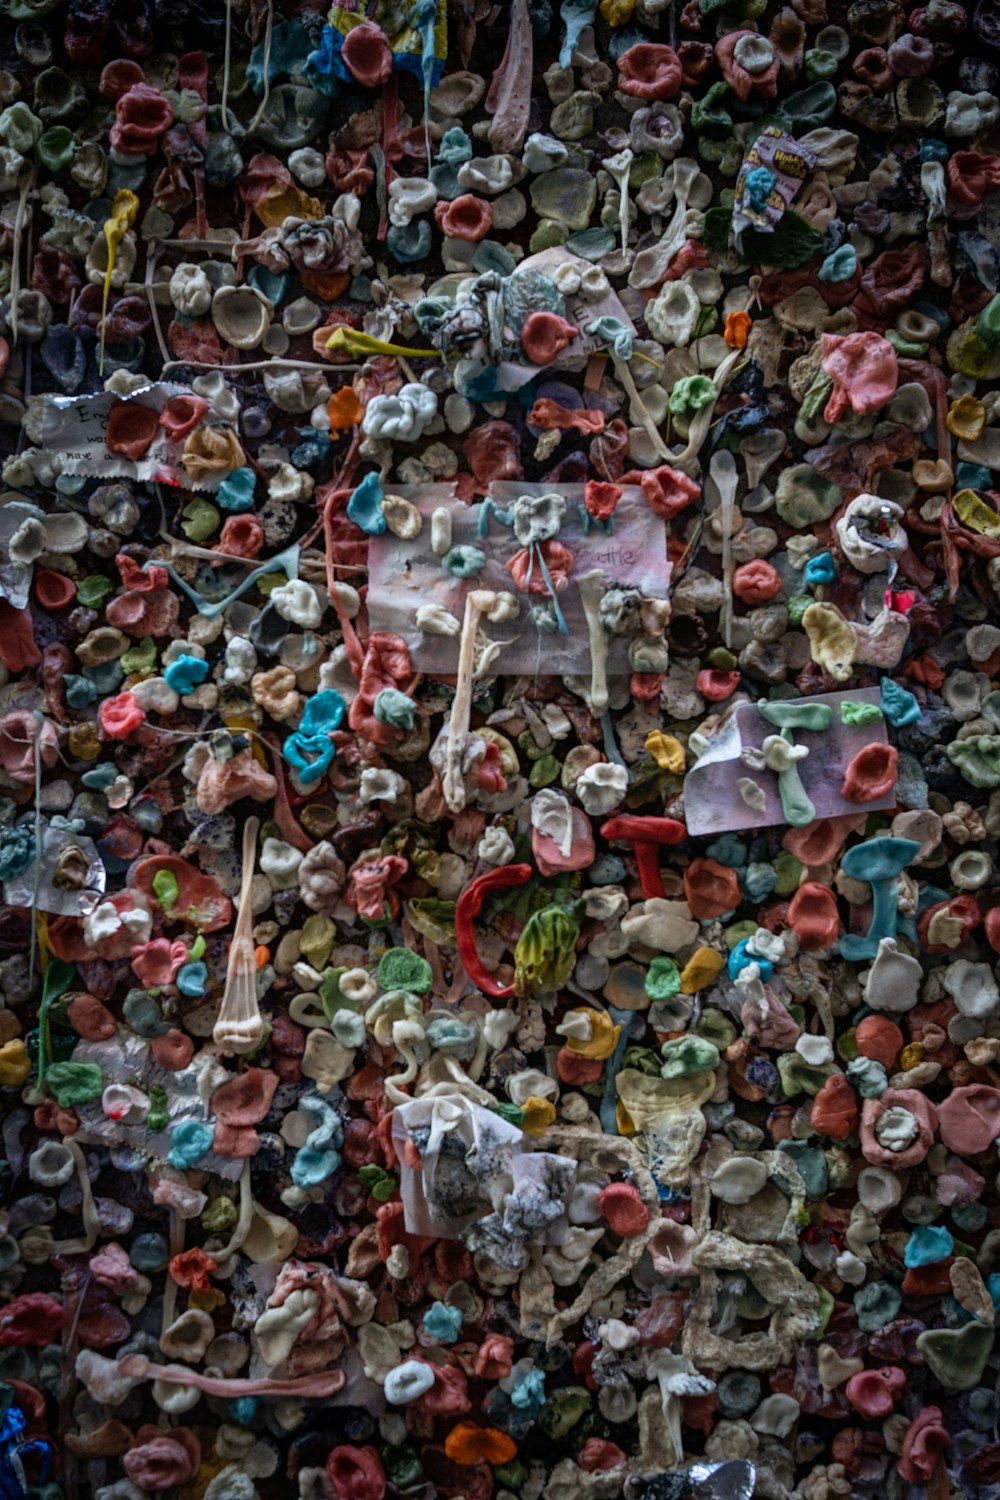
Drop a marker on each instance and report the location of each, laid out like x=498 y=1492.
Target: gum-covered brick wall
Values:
x=500 y=745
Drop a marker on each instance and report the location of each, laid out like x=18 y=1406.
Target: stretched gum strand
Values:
x=324 y=1383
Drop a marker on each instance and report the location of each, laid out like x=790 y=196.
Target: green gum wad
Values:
x=399 y=969
x=689 y=1054
x=165 y=889
x=797 y=606
x=563 y=1410
x=847 y=1046
x=380 y=1183
x=316 y=941
x=820 y=64
x=646 y=165
x=219 y=1215
x=395 y=708
x=957 y=1357
x=968 y=354
x=56 y=147
x=548 y=235
x=707 y=320
x=508 y=1112
x=690 y=394
x=158 y=1117
x=329 y=993
x=663 y=979
x=727 y=154
x=546 y=950
x=432 y=917
x=58 y=977
x=816 y=396
x=544 y=771
x=797 y=1077
x=716 y=1029
x=978 y=759
x=721 y=658
x=709 y=115
x=513 y=1475
x=827 y=1302
x=403 y=1467
x=738 y=931
x=811 y=107
x=268 y=582
x=792 y=242
x=141 y=659
x=200 y=520
x=92 y=591
x=75 y=1083
x=906 y=348
x=642 y=1060
x=988 y=326
x=853 y=712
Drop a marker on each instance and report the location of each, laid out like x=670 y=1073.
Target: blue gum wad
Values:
x=365 y=506
x=189 y=1142
x=185 y=674
x=310 y=750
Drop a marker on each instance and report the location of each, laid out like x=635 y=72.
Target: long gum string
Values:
x=225 y=64
x=268 y=35
x=24 y=188
x=39 y=724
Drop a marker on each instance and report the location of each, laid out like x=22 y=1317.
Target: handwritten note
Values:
x=75 y=427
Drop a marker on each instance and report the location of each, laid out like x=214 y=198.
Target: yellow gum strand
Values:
x=124 y=209
x=45 y=948
x=350 y=341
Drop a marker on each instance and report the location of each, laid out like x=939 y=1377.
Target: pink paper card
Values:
x=712 y=801
x=404 y=575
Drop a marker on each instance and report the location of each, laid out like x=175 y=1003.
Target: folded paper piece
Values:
x=713 y=802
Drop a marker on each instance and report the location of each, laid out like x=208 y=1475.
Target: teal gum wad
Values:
x=310 y=750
